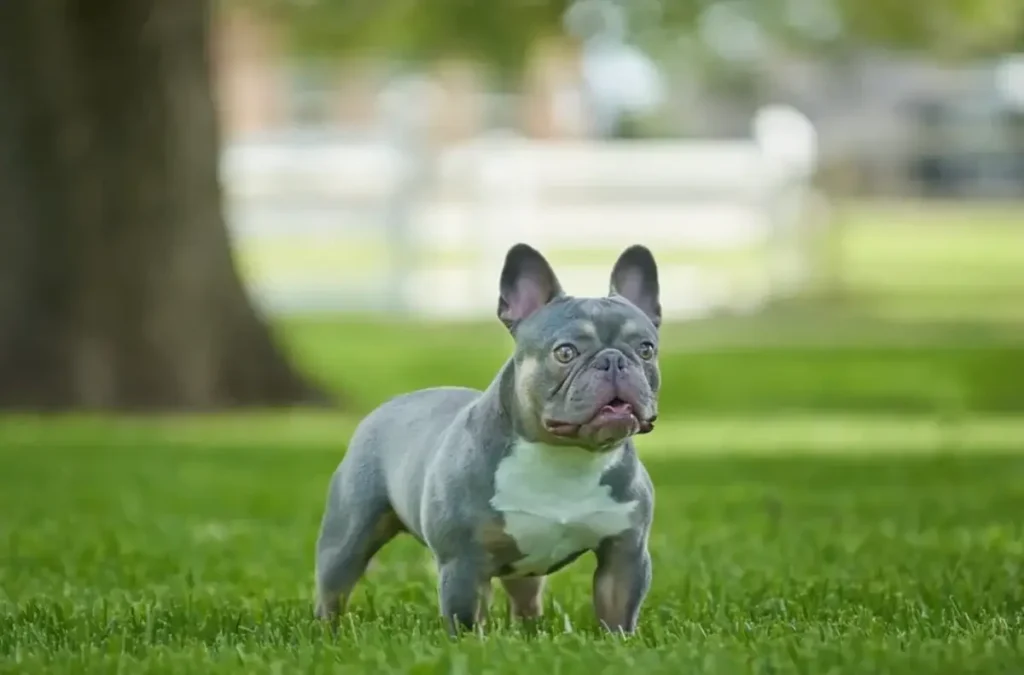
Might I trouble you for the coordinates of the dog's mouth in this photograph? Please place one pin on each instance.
(615, 413)
(615, 409)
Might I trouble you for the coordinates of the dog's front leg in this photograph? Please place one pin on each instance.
(459, 588)
(621, 581)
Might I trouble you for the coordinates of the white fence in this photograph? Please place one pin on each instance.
(342, 226)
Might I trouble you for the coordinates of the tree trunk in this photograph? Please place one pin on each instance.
(117, 285)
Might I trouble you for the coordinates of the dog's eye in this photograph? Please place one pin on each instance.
(646, 351)
(565, 353)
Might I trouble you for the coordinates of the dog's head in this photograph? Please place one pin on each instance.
(586, 369)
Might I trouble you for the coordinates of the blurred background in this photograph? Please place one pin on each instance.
(769, 152)
(828, 172)
(833, 190)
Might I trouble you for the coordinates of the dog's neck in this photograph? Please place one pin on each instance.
(567, 459)
(496, 401)
(499, 400)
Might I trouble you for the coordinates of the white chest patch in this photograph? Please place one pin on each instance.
(554, 504)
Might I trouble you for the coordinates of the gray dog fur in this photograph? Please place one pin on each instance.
(521, 479)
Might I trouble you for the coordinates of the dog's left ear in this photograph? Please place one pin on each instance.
(527, 284)
(635, 278)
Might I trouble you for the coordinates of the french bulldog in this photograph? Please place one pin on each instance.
(520, 479)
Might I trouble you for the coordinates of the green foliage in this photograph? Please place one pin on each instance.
(501, 31)
(140, 553)
(946, 28)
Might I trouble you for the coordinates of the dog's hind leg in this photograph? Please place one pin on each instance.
(357, 522)
(526, 596)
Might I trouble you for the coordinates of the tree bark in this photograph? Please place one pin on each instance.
(117, 284)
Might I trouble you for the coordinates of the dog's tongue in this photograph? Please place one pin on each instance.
(617, 406)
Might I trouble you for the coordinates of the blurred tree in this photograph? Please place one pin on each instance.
(117, 285)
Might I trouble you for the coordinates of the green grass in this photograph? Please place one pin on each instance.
(751, 366)
(934, 261)
(805, 544)
(839, 497)
(837, 492)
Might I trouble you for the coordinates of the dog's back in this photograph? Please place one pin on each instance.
(408, 424)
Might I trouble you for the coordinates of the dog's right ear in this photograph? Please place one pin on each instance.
(527, 284)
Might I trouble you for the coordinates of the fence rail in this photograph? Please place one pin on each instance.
(388, 226)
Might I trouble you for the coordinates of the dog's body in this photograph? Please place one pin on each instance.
(520, 479)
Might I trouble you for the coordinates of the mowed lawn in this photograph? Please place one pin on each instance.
(835, 494)
(801, 544)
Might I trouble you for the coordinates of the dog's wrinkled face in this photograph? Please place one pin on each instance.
(586, 371)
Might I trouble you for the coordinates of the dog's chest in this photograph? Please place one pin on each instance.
(554, 504)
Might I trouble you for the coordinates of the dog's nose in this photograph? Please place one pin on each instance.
(610, 360)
